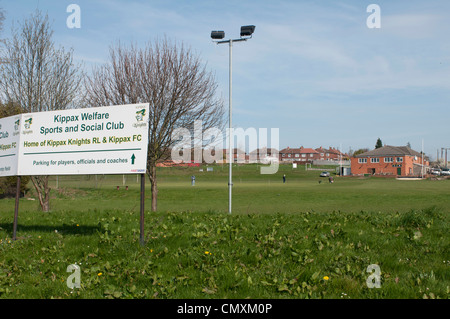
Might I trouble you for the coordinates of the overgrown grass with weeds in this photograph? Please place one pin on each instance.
(218, 255)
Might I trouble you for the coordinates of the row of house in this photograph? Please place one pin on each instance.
(386, 160)
(308, 155)
(287, 155)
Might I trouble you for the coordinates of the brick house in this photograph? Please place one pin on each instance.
(289, 154)
(324, 155)
(302, 154)
(389, 160)
(330, 154)
(337, 155)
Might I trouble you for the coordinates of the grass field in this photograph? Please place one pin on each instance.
(302, 239)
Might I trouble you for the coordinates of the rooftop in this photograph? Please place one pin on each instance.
(300, 150)
(389, 150)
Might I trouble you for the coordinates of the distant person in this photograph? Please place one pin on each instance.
(330, 179)
(284, 178)
(193, 180)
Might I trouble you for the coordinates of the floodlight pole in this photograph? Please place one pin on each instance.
(231, 156)
(230, 103)
(246, 31)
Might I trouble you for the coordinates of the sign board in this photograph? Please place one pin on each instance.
(101, 140)
(9, 145)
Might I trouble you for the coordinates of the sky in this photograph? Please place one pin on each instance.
(313, 69)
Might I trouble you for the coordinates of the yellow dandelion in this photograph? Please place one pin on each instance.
(207, 253)
(326, 278)
(99, 274)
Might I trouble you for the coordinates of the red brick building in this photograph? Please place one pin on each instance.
(301, 154)
(307, 155)
(389, 160)
(330, 154)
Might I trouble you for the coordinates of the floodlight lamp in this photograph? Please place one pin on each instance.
(247, 30)
(217, 35)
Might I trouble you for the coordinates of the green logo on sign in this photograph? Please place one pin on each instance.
(28, 123)
(140, 115)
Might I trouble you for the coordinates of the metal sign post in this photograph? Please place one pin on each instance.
(16, 209)
(141, 235)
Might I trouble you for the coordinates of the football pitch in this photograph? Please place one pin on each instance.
(306, 238)
(304, 191)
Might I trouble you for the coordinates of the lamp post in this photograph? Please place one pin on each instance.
(217, 36)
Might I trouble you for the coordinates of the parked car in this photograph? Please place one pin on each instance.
(445, 172)
(435, 172)
(325, 174)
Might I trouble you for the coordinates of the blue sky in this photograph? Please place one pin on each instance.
(313, 69)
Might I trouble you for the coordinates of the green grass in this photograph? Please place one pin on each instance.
(252, 192)
(282, 240)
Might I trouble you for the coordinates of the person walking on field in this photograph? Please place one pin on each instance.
(193, 180)
(284, 178)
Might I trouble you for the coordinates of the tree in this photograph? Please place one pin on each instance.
(10, 109)
(2, 18)
(172, 79)
(8, 186)
(360, 151)
(38, 77)
(379, 143)
(350, 151)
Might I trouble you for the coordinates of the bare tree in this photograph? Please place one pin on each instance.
(172, 79)
(2, 18)
(38, 77)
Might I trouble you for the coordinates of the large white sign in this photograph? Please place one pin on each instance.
(101, 140)
(9, 145)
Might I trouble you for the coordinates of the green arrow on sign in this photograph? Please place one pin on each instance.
(132, 159)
